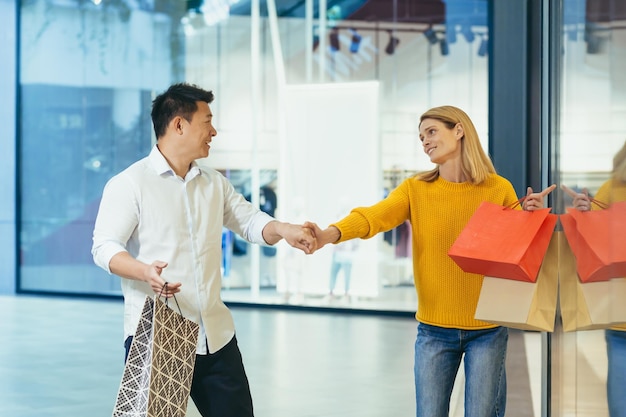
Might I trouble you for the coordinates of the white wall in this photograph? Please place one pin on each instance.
(330, 163)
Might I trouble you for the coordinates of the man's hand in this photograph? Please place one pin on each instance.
(125, 266)
(534, 201)
(303, 239)
(152, 275)
(329, 235)
(296, 235)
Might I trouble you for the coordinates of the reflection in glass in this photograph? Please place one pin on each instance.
(596, 233)
(592, 131)
(87, 72)
(236, 251)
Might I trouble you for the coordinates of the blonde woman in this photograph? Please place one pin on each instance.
(438, 203)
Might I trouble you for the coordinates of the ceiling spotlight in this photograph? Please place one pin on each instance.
(392, 44)
(483, 47)
(451, 34)
(467, 33)
(594, 42)
(355, 42)
(443, 47)
(594, 45)
(316, 38)
(431, 36)
(334, 40)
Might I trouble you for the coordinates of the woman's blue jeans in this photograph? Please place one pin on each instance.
(616, 378)
(438, 354)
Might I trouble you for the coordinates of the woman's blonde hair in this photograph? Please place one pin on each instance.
(619, 165)
(476, 164)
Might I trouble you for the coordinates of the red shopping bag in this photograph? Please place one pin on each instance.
(597, 240)
(503, 242)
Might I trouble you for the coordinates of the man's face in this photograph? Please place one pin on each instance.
(200, 132)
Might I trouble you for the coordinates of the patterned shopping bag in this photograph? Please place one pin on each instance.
(157, 376)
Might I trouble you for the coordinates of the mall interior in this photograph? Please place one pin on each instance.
(317, 107)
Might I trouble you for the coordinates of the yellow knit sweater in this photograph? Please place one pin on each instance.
(438, 211)
(610, 192)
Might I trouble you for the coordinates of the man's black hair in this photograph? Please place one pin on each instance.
(178, 100)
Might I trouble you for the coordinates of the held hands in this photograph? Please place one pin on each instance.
(300, 237)
(534, 201)
(309, 237)
(580, 201)
(328, 235)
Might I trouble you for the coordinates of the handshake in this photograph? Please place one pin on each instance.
(308, 237)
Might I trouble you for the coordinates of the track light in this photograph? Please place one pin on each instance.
(334, 40)
(451, 34)
(594, 42)
(392, 44)
(467, 33)
(316, 37)
(431, 36)
(443, 47)
(483, 47)
(594, 45)
(355, 42)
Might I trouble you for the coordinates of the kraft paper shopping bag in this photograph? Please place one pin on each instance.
(618, 300)
(588, 305)
(523, 305)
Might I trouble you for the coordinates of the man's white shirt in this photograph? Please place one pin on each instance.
(153, 214)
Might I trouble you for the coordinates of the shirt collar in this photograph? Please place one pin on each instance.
(160, 165)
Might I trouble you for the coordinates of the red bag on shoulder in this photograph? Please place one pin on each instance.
(503, 242)
(597, 239)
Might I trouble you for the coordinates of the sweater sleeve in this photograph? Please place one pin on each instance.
(367, 222)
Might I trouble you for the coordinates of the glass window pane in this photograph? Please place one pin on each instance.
(105, 61)
(83, 119)
(592, 155)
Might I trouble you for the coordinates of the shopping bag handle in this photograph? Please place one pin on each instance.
(173, 295)
(599, 203)
(515, 203)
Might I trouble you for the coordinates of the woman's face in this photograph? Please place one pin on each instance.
(440, 143)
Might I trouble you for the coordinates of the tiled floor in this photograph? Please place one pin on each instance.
(63, 357)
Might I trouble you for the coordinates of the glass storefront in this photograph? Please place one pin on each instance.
(366, 75)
